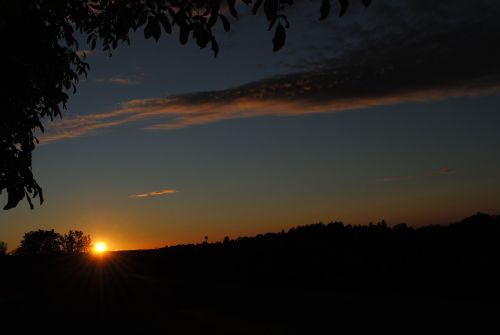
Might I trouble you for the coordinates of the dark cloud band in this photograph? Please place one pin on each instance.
(430, 50)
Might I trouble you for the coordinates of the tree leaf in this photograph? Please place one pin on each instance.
(141, 19)
(225, 22)
(287, 24)
(256, 6)
(90, 37)
(165, 22)
(343, 6)
(152, 29)
(325, 9)
(214, 14)
(271, 24)
(271, 9)
(215, 46)
(202, 37)
(279, 37)
(232, 8)
(183, 34)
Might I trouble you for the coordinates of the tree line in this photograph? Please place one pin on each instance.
(49, 242)
(323, 278)
(353, 243)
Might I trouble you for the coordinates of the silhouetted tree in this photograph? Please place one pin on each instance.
(43, 63)
(40, 242)
(75, 242)
(3, 248)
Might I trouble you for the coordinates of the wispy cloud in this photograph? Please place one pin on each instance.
(425, 55)
(438, 172)
(198, 109)
(396, 179)
(152, 194)
(441, 172)
(124, 80)
(84, 53)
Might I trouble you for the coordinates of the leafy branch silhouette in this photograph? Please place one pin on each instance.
(43, 63)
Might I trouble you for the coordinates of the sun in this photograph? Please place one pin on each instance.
(100, 247)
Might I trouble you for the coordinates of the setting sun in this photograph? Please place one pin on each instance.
(100, 247)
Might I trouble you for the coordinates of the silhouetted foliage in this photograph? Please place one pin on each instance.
(49, 242)
(75, 242)
(3, 248)
(42, 63)
(40, 242)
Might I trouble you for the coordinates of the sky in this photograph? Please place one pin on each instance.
(388, 113)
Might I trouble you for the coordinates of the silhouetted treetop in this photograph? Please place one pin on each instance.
(49, 242)
(40, 242)
(76, 242)
(42, 63)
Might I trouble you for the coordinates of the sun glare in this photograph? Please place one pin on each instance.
(100, 247)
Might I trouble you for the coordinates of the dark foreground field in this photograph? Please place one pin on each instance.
(317, 279)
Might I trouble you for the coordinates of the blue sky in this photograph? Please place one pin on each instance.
(255, 141)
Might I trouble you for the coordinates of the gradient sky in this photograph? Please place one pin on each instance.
(387, 113)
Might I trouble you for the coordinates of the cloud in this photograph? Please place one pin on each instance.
(124, 80)
(84, 53)
(438, 172)
(441, 172)
(415, 52)
(396, 179)
(152, 194)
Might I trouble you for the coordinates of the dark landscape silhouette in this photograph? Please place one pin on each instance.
(422, 81)
(314, 279)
